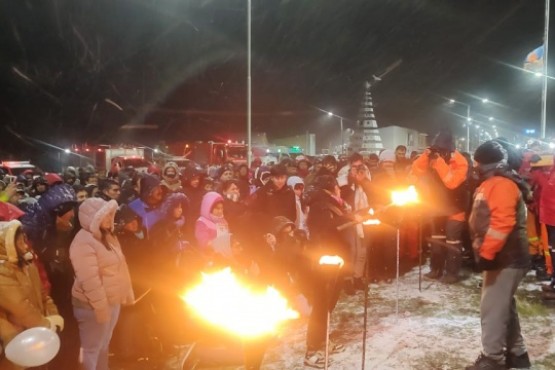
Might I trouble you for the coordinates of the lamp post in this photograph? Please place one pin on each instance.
(341, 127)
(469, 118)
(468, 122)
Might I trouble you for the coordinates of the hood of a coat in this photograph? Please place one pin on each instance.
(8, 251)
(171, 202)
(175, 167)
(148, 183)
(57, 197)
(93, 211)
(208, 202)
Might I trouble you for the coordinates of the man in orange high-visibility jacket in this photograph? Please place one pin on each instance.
(498, 230)
(443, 172)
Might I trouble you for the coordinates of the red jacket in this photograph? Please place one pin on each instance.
(545, 183)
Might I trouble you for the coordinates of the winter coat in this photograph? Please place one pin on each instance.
(23, 301)
(207, 226)
(40, 217)
(149, 215)
(446, 184)
(101, 273)
(546, 186)
(324, 216)
(269, 202)
(498, 223)
(173, 184)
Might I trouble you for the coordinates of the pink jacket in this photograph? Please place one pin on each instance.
(101, 274)
(206, 227)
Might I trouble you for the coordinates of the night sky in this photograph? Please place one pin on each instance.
(76, 71)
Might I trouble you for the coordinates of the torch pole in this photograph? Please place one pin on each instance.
(420, 254)
(397, 274)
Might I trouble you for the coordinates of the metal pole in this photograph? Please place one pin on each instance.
(249, 86)
(545, 71)
(468, 123)
(397, 274)
(341, 123)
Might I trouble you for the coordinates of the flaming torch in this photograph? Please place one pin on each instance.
(401, 198)
(223, 301)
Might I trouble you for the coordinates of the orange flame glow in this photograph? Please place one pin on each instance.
(331, 260)
(404, 197)
(222, 300)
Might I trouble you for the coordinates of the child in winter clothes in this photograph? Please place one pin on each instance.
(211, 229)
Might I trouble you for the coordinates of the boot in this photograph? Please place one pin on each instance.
(454, 263)
(517, 362)
(485, 363)
(434, 274)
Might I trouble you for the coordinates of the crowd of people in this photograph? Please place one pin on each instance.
(81, 252)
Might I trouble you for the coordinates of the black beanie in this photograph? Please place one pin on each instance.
(490, 152)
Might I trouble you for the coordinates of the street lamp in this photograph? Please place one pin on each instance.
(340, 126)
(331, 114)
(469, 118)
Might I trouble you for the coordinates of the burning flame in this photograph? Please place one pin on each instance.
(224, 301)
(404, 197)
(372, 221)
(331, 260)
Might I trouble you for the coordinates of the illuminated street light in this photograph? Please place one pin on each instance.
(477, 126)
(485, 100)
(469, 119)
(67, 151)
(538, 74)
(490, 119)
(552, 145)
(452, 101)
(156, 150)
(330, 114)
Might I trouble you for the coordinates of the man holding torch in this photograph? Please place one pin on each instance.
(325, 215)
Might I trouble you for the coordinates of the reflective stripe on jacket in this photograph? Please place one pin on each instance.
(498, 223)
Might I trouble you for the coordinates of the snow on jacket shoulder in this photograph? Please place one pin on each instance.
(101, 273)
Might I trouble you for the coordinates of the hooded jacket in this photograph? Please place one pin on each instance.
(173, 184)
(101, 273)
(206, 227)
(41, 216)
(23, 301)
(149, 216)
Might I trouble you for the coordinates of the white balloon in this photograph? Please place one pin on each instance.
(33, 347)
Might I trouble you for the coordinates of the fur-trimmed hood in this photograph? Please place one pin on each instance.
(8, 251)
(171, 202)
(93, 211)
(208, 202)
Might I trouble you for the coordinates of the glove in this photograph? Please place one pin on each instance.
(56, 322)
(486, 265)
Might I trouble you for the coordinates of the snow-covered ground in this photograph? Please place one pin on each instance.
(437, 328)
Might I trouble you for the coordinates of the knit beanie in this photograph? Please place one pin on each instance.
(490, 152)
